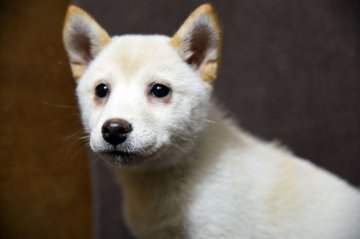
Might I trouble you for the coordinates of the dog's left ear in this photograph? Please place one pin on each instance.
(83, 38)
(198, 42)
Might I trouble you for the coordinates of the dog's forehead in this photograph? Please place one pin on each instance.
(134, 52)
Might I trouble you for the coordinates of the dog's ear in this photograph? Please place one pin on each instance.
(83, 39)
(198, 42)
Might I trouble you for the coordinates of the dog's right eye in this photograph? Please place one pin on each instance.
(101, 90)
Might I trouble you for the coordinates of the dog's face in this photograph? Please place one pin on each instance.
(143, 99)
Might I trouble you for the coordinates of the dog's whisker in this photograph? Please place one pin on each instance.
(63, 63)
(78, 146)
(80, 134)
(59, 105)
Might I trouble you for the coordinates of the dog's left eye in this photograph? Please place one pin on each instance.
(159, 90)
(101, 90)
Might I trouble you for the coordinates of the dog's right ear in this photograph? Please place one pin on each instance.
(83, 38)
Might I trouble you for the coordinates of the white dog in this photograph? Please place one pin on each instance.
(186, 171)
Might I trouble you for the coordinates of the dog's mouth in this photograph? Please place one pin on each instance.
(125, 158)
(118, 153)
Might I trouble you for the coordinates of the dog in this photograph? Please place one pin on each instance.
(186, 170)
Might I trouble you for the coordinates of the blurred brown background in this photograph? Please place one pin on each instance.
(44, 176)
(290, 71)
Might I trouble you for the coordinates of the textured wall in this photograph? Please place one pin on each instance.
(44, 185)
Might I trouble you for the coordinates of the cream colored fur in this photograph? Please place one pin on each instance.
(194, 174)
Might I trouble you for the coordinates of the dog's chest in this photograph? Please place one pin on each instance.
(182, 206)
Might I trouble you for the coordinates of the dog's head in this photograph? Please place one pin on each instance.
(143, 99)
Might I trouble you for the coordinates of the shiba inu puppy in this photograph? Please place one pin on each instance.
(186, 171)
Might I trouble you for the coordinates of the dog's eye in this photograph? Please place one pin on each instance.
(159, 90)
(101, 90)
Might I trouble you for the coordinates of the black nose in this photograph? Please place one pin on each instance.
(115, 131)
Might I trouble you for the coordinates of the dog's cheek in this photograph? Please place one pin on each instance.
(190, 112)
(89, 117)
(153, 130)
(86, 115)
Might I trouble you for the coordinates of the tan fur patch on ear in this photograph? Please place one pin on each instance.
(208, 71)
(78, 68)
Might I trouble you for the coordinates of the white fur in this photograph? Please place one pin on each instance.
(201, 176)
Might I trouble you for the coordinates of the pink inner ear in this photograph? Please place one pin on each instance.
(199, 44)
(82, 44)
